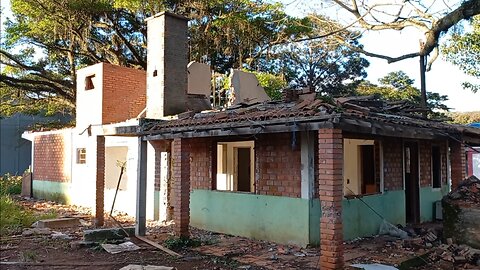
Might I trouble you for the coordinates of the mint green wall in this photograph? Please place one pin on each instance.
(428, 196)
(359, 220)
(51, 190)
(280, 219)
(156, 205)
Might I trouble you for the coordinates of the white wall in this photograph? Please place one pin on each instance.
(89, 102)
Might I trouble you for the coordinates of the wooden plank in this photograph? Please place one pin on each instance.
(150, 242)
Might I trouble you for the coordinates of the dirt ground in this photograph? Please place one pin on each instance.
(217, 251)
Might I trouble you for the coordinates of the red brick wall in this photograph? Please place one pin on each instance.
(201, 163)
(330, 177)
(278, 165)
(425, 153)
(392, 164)
(124, 93)
(49, 157)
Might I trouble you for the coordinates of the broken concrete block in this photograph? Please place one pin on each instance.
(245, 88)
(58, 223)
(36, 231)
(107, 234)
(199, 79)
(114, 249)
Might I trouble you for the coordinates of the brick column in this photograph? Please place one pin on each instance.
(330, 177)
(181, 186)
(100, 181)
(457, 161)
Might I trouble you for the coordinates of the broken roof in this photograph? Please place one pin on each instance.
(367, 115)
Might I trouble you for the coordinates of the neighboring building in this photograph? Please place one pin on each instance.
(287, 172)
(15, 152)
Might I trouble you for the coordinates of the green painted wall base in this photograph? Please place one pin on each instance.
(359, 220)
(53, 191)
(274, 218)
(428, 196)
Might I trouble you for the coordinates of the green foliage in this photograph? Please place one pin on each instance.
(397, 86)
(463, 50)
(10, 184)
(325, 65)
(272, 84)
(464, 117)
(177, 243)
(13, 216)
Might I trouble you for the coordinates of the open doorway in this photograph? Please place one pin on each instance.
(411, 173)
(235, 166)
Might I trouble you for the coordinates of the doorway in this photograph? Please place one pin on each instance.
(412, 187)
(243, 169)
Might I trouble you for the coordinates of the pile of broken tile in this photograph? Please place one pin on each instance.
(468, 191)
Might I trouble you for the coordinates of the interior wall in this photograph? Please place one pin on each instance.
(115, 156)
(226, 157)
(352, 170)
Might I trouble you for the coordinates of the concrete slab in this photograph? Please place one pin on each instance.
(58, 223)
(107, 234)
(246, 88)
(199, 79)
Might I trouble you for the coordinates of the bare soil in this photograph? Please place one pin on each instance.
(217, 251)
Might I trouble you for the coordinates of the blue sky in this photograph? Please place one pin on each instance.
(444, 78)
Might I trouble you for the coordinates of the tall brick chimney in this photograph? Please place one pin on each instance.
(167, 59)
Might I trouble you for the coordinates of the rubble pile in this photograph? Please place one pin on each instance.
(461, 213)
(467, 192)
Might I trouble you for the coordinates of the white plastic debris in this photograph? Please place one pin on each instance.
(374, 266)
(145, 267)
(390, 229)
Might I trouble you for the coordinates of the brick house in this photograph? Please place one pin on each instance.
(289, 172)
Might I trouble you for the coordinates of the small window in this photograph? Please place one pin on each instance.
(436, 167)
(235, 164)
(89, 82)
(361, 167)
(81, 155)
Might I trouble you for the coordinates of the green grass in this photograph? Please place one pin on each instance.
(13, 216)
(10, 184)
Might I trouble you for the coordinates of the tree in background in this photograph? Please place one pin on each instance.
(397, 86)
(57, 37)
(463, 50)
(464, 118)
(431, 18)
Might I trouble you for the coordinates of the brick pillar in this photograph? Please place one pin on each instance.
(330, 177)
(100, 181)
(181, 186)
(457, 161)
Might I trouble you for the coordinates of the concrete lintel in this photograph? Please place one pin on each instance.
(307, 164)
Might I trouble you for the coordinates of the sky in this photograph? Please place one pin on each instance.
(444, 78)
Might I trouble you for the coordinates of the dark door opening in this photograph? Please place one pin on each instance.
(243, 169)
(367, 156)
(412, 197)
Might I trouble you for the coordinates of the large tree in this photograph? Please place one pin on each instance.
(463, 50)
(397, 86)
(430, 17)
(47, 40)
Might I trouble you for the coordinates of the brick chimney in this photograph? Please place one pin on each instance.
(167, 59)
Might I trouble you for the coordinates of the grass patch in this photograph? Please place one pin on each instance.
(14, 217)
